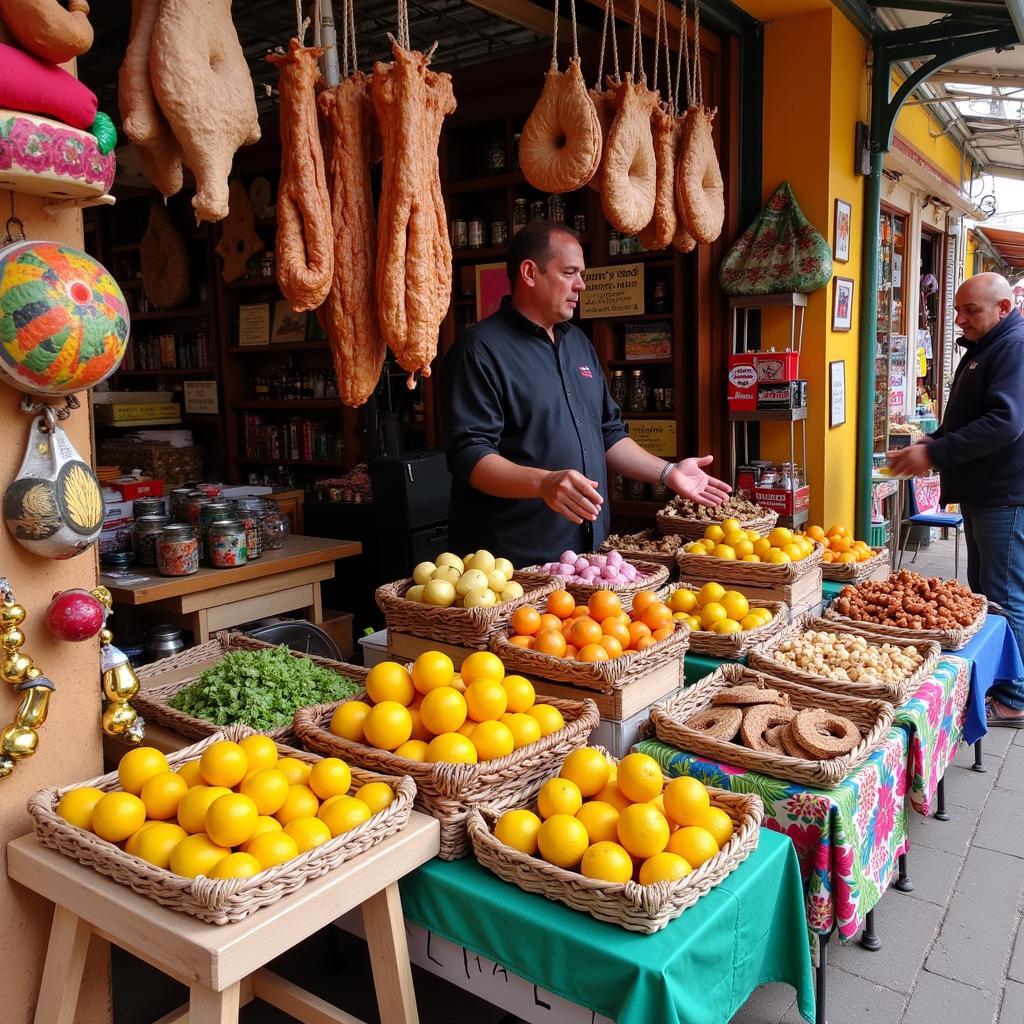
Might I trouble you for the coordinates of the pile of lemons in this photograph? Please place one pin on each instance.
(619, 823)
(477, 581)
(729, 540)
(432, 713)
(232, 813)
(717, 610)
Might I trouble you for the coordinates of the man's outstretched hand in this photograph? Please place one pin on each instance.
(572, 495)
(688, 479)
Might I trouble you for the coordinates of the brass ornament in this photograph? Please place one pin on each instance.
(119, 681)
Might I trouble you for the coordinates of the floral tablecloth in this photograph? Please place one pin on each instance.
(847, 839)
(934, 722)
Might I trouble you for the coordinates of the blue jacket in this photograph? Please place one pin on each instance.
(979, 448)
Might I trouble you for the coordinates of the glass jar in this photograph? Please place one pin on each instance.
(476, 233)
(614, 243)
(179, 499)
(520, 214)
(226, 544)
(639, 394)
(197, 501)
(119, 562)
(619, 388)
(144, 533)
(635, 490)
(499, 232)
(460, 234)
(627, 245)
(163, 642)
(276, 527)
(579, 223)
(210, 513)
(177, 550)
(496, 161)
(538, 210)
(556, 208)
(250, 511)
(148, 507)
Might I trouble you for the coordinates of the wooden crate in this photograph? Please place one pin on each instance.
(403, 647)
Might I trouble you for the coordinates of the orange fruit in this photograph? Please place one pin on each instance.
(486, 700)
(636, 631)
(295, 771)
(482, 665)
(603, 603)
(600, 820)
(389, 681)
(194, 805)
(431, 670)
(388, 725)
(260, 752)
(523, 727)
(419, 730)
(657, 615)
(443, 710)
(190, 772)
(685, 799)
(330, 776)
(162, 793)
(549, 718)
(644, 642)
(592, 652)
(413, 750)
(561, 604)
(588, 768)
(268, 789)
(117, 815)
(76, 807)
(663, 867)
(452, 748)
(237, 865)
(308, 833)
(642, 830)
(548, 621)
(264, 823)
(550, 641)
(376, 795)
(301, 802)
(138, 765)
(641, 599)
(639, 777)
(492, 739)
(231, 819)
(607, 861)
(584, 631)
(347, 721)
(157, 842)
(614, 626)
(518, 829)
(694, 844)
(579, 611)
(224, 763)
(661, 634)
(612, 646)
(525, 642)
(570, 652)
(611, 794)
(526, 620)
(520, 692)
(196, 855)
(558, 796)
(562, 840)
(272, 848)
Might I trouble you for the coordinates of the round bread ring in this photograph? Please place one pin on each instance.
(629, 164)
(825, 734)
(749, 694)
(720, 723)
(700, 192)
(604, 105)
(757, 720)
(791, 746)
(773, 737)
(560, 148)
(659, 233)
(682, 240)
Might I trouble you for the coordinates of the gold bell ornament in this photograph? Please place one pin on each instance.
(19, 739)
(120, 683)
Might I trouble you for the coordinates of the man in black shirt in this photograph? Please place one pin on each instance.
(532, 428)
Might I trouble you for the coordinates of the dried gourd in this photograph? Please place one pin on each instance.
(238, 239)
(699, 189)
(630, 167)
(164, 260)
(662, 227)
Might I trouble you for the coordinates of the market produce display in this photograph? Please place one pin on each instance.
(734, 507)
(430, 713)
(840, 547)
(846, 657)
(608, 569)
(716, 609)
(657, 545)
(477, 581)
(730, 541)
(261, 689)
(910, 601)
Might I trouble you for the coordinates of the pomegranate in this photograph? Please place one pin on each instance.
(74, 615)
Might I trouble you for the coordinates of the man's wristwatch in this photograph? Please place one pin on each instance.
(665, 472)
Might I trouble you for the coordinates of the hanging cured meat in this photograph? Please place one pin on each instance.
(700, 192)
(662, 227)
(238, 239)
(164, 261)
(630, 166)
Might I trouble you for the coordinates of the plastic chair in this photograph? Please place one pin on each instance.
(300, 636)
(943, 519)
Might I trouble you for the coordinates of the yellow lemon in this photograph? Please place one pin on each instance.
(600, 821)
(708, 545)
(443, 710)
(743, 548)
(347, 720)
(731, 524)
(562, 840)
(558, 796)
(640, 777)
(751, 622)
(693, 621)
(190, 772)
(643, 830)
(779, 536)
(735, 604)
(344, 814)
(388, 725)
(694, 844)
(117, 815)
(467, 727)
(196, 855)
(76, 807)
(451, 748)
(524, 728)
(726, 626)
(611, 794)
(492, 740)
(717, 822)
(683, 600)
(138, 765)
(482, 665)
(308, 833)
(376, 796)
(710, 593)
(390, 681)
(607, 861)
(520, 692)
(131, 844)
(777, 557)
(548, 718)
(712, 613)
(194, 805)
(231, 819)
(431, 670)
(330, 777)
(588, 768)
(794, 551)
(301, 802)
(272, 848)
(486, 698)
(734, 537)
(685, 798)
(264, 823)
(157, 842)
(419, 730)
(753, 536)
(751, 558)
(268, 789)
(237, 865)
(413, 750)
(762, 546)
(715, 533)
(663, 867)
(223, 763)
(162, 793)
(260, 751)
(696, 548)
(724, 551)
(519, 829)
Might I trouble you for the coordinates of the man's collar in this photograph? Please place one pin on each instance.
(993, 332)
(510, 312)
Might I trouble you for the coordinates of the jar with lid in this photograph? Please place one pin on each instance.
(276, 526)
(619, 388)
(460, 234)
(266, 265)
(214, 511)
(579, 223)
(148, 507)
(499, 232)
(144, 534)
(496, 161)
(196, 502)
(163, 642)
(250, 511)
(556, 208)
(538, 210)
(476, 233)
(639, 394)
(179, 498)
(226, 543)
(177, 550)
(520, 214)
(119, 563)
(614, 243)
(627, 245)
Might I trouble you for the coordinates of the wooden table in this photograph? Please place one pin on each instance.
(211, 599)
(223, 965)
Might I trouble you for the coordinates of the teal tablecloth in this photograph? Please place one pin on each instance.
(829, 590)
(700, 969)
(697, 666)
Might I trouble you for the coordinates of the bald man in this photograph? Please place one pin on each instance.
(979, 453)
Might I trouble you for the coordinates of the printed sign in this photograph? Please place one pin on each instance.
(201, 396)
(254, 324)
(613, 291)
(656, 436)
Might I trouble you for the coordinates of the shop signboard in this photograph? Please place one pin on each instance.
(201, 396)
(656, 436)
(616, 290)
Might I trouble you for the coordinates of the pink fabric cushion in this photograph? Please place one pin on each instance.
(36, 87)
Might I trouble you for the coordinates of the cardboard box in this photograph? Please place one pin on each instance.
(144, 488)
(375, 648)
(790, 394)
(784, 501)
(741, 386)
(119, 412)
(338, 625)
(775, 367)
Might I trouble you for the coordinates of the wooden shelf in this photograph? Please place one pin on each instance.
(491, 183)
(172, 314)
(483, 253)
(140, 424)
(284, 346)
(649, 415)
(667, 315)
(252, 282)
(199, 371)
(309, 463)
(278, 404)
(781, 300)
(767, 415)
(641, 362)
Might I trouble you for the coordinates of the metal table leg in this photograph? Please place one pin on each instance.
(941, 814)
(869, 937)
(903, 882)
(978, 765)
(819, 979)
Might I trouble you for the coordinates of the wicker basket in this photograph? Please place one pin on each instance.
(897, 692)
(604, 676)
(733, 646)
(947, 639)
(692, 529)
(153, 701)
(638, 908)
(465, 627)
(855, 572)
(212, 900)
(630, 554)
(755, 574)
(450, 791)
(873, 717)
(652, 576)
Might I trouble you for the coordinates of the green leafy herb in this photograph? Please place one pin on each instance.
(262, 689)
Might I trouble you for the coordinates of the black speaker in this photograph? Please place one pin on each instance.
(410, 491)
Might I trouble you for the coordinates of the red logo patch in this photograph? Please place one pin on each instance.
(585, 371)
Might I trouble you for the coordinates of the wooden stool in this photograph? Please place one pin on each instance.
(223, 965)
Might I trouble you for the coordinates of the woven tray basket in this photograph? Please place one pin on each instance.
(753, 574)
(212, 900)
(854, 572)
(692, 529)
(733, 646)
(465, 627)
(153, 701)
(630, 554)
(652, 577)
(874, 717)
(449, 791)
(638, 908)
(603, 676)
(897, 692)
(947, 639)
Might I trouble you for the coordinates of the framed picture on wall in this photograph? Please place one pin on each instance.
(837, 392)
(491, 286)
(842, 304)
(841, 246)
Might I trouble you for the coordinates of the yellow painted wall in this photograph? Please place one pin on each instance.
(918, 126)
(971, 255)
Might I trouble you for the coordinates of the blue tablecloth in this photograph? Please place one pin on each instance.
(994, 657)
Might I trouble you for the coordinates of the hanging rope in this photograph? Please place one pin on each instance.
(683, 59)
(350, 29)
(698, 84)
(317, 42)
(403, 24)
(554, 40)
(639, 75)
(575, 38)
(301, 24)
(657, 41)
(670, 92)
(348, 39)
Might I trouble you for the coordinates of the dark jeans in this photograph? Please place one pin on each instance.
(995, 568)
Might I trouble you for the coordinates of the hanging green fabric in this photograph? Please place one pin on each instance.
(780, 252)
